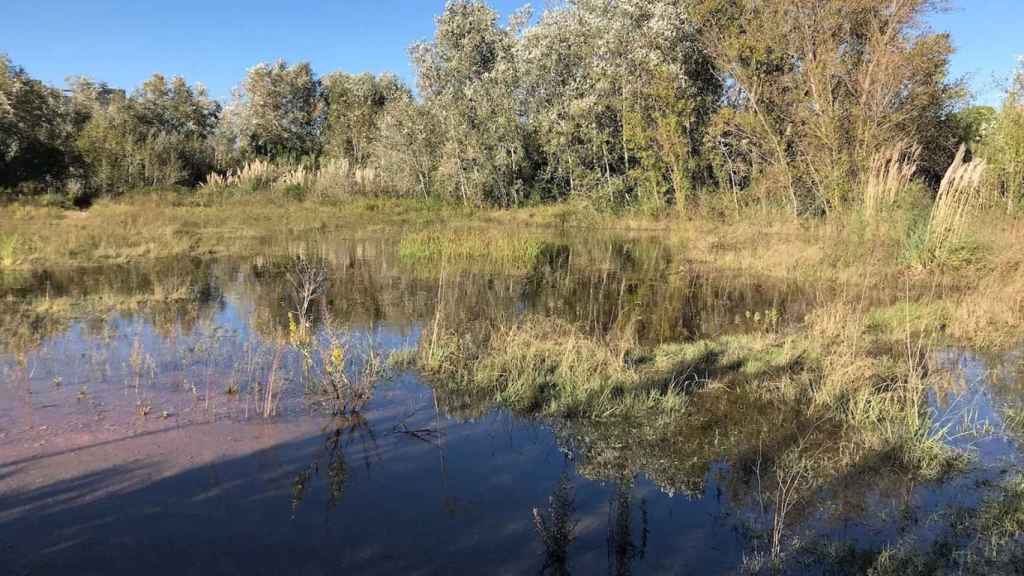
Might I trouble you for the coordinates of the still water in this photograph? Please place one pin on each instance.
(144, 440)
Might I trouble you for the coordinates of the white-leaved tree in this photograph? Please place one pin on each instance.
(469, 81)
(279, 112)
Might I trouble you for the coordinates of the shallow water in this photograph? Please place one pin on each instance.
(141, 440)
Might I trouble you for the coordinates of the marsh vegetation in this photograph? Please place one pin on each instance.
(794, 411)
(625, 286)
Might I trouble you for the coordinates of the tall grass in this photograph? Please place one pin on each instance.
(330, 178)
(990, 315)
(254, 175)
(8, 251)
(958, 193)
(878, 388)
(550, 366)
(892, 171)
(871, 388)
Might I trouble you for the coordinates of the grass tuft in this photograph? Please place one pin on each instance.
(481, 248)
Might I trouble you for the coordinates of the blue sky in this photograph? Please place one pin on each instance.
(215, 41)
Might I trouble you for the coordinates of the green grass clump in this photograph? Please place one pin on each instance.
(831, 369)
(9, 251)
(480, 248)
(548, 366)
(893, 321)
(1001, 519)
(727, 360)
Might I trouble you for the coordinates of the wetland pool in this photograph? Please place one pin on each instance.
(168, 418)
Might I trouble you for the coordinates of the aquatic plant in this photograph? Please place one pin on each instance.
(548, 365)
(308, 276)
(274, 381)
(471, 248)
(972, 540)
(793, 478)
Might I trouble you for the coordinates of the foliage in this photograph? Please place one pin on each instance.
(814, 89)
(620, 94)
(355, 105)
(280, 114)
(819, 106)
(467, 77)
(35, 131)
(1002, 144)
(407, 148)
(156, 137)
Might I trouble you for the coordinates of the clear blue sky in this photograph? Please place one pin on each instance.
(215, 41)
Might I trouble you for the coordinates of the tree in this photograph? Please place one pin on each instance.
(621, 94)
(121, 154)
(816, 87)
(406, 146)
(280, 111)
(176, 108)
(35, 131)
(158, 136)
(1002, 144)
(468, 78)
(355, 105)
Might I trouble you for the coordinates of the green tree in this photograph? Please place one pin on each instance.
(817, 87)
(1002, 144)
(407, 146)
(620, 94)
(279, 111)
(158, 136)
(468, 77)
(35, 132)
(355, 105)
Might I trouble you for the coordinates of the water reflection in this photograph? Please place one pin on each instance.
(556, 527)
(114, 375)
(623, 546)
(598, 286)
(353, 429)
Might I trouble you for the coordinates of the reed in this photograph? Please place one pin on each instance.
(271, 396)
(958, 193)
(891, 174)
(254, 175)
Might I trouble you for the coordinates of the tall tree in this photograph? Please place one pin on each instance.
(355, 105)
(468, 78)
(621, 93)
(280, 110)
(35, 130)
(1002, 143)
(816, 87)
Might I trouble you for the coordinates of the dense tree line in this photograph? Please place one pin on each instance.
(646, 103)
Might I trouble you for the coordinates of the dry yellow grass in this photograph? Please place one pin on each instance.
(958, 193)
(991, 314)
(892, 171)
